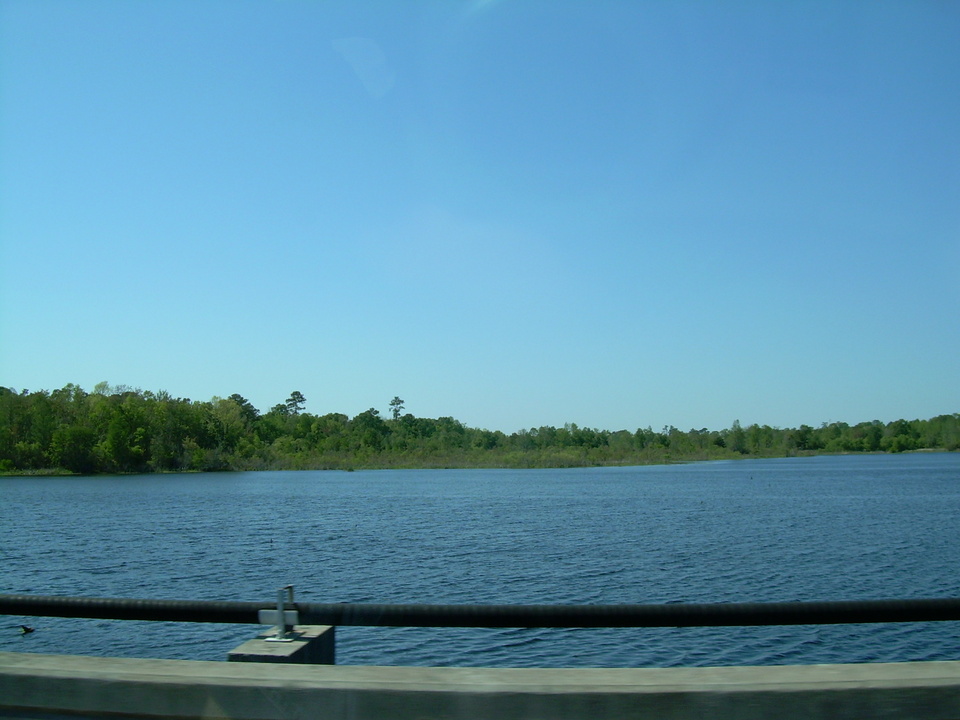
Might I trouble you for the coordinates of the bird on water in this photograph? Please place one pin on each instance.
(26, 629)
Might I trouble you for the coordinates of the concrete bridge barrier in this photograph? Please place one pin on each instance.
(60, 686)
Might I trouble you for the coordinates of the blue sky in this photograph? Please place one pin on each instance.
(617, 214)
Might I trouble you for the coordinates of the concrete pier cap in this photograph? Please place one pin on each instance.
(306, 644)
(55, 686)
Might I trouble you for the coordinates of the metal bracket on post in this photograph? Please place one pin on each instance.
(281, 617)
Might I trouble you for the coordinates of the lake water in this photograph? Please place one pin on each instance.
(822, 528)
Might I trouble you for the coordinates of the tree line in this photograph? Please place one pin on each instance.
(124, 430)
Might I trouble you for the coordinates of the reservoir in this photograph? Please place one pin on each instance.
(792, 529)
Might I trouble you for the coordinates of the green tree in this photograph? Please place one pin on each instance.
(72, 448)
(396, 407)
(249, 412)
(172, 422)
(329, 432)
(900, 436)
(369, 430)
(226, 423)
(737, 438)
(295, 402)
(126, 446)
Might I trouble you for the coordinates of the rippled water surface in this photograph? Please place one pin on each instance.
(824, 528)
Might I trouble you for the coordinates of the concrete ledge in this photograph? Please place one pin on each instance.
(50, 685)
(312, 645)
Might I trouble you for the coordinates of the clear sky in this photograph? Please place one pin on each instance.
(516, 213)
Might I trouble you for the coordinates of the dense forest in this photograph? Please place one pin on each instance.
(122, 430)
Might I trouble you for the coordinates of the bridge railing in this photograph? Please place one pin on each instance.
(492, 616)
(62, 685)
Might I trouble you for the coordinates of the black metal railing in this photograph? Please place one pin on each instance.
(494, 616)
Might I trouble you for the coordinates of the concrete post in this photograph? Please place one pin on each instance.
(311, 645)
